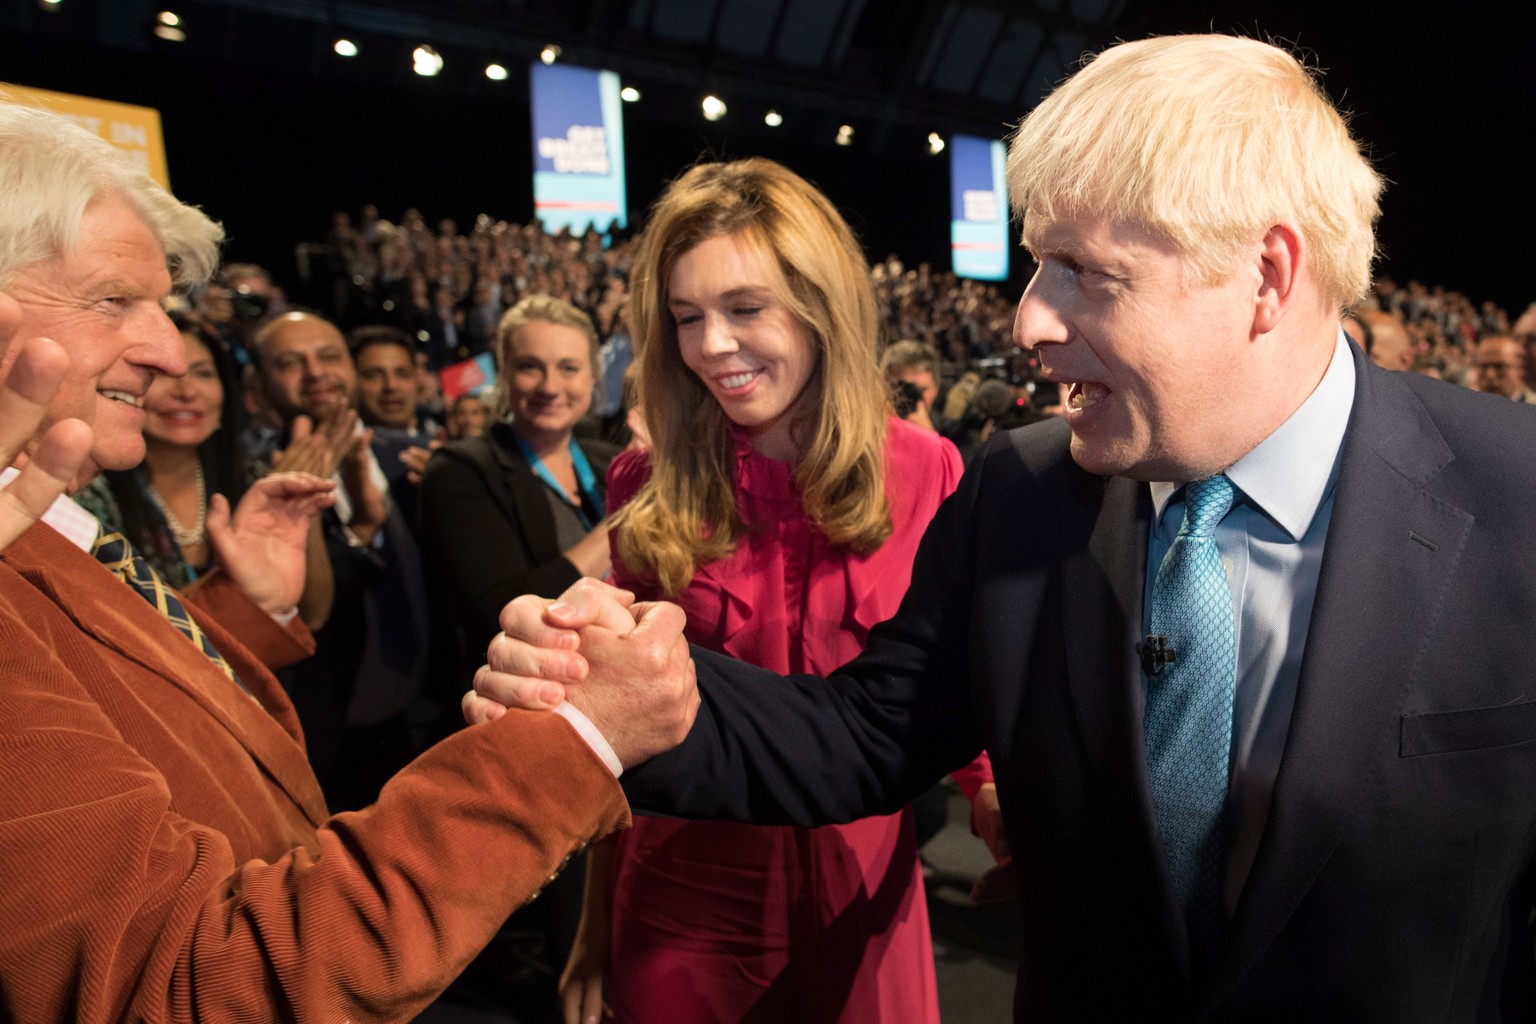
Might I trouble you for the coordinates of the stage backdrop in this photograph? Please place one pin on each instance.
(978, 226)
(578, 148)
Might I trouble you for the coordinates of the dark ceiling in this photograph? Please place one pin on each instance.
(255, 100)
(897, 70)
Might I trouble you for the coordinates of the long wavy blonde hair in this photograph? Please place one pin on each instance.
(685, 515)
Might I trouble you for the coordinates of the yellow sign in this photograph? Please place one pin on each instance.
(134, 130)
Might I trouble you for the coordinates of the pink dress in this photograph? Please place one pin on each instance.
(723, 922)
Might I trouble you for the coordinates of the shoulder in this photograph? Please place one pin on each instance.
(627, 473)
(491, 454)
(1486, 434)
(920, 465)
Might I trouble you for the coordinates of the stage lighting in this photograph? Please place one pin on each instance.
(845, 135)
(935, 143)
(629, 94)
(549, 54)
(169, 26)
(495, 72)
(713, 107)
(426, 61)
(345, 48)
(773, 119)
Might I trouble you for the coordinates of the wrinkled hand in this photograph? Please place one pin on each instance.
(30, 373)
(636, 685)
(536, 651)
(317, 450)
(262, 546)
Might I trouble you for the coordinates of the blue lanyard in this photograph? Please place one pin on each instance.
(586, 480)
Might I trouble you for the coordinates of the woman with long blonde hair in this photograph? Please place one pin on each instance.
(781, 506)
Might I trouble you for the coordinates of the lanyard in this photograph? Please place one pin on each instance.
(586, 480)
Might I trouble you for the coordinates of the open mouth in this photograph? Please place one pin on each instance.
(1085, 394)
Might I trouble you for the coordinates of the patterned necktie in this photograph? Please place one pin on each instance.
(1189, 706)
(114, 551)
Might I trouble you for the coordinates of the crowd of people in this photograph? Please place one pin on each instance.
(732, 412)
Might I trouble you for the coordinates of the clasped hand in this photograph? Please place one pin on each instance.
(625, 665)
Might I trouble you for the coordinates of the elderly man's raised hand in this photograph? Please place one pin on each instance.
(31, 370)
(625, 666)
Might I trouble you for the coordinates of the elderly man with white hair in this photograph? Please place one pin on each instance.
(166, 849)
(1246, 632)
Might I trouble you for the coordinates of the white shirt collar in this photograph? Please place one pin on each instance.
(1288, 473)
(76, 525)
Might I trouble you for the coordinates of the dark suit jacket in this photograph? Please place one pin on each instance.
(488, 532)
(1394, 879)
(164, 845)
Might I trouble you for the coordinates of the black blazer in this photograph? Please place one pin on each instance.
(1394, 879)
(488, 530)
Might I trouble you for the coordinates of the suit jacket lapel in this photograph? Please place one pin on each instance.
(1388, 537)
(95, 602)
(1103, 574)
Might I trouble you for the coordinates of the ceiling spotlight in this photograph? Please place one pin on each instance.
(345, 48)
(426, 61)
(168, 26)
(550, 54)
(713, 107)
(49, 5)
(773, 119)
(845, 135)
(629, 94)
(495, 72)
(935, 143)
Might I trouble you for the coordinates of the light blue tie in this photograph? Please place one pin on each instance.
(1189, 705)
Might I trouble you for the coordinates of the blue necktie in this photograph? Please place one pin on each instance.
(1189, 706)
(113, 550)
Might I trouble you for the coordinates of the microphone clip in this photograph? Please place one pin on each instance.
(1156, 654)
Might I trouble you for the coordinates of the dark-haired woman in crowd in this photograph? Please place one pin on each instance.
(781, 505)
(192, 452)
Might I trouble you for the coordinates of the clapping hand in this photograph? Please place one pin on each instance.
(262, 545)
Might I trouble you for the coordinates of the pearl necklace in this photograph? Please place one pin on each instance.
(183, 536)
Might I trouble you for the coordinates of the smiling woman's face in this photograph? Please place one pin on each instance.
(185, 410)
(735, 332)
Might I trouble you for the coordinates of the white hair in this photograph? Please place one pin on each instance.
(52, 169)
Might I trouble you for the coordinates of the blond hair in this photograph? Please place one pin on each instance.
(540, 309)
(1208, 141)
(685, 514)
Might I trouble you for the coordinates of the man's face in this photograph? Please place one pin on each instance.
(102, 300)
(386, 386)
(1157, 362)
(306, 369)
(1500, 367)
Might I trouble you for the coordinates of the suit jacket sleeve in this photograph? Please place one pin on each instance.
(216, 595)
(124, 902)
(864, 741)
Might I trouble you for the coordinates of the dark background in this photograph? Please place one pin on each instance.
(271, 145)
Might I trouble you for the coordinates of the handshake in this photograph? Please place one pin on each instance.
(622, 664)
